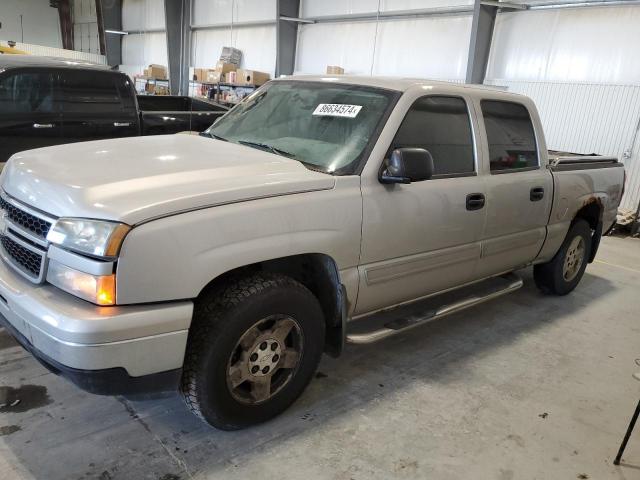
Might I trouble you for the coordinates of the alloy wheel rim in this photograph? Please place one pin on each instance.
(265, 359)
(573, 259)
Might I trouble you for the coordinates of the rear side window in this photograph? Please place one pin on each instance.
(126, 92)
(27, 92)
(512, 141)
(442, 126)
(91, 92)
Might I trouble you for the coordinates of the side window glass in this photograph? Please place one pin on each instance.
(442, 126)
(89, 92)
(126, 92)
(512, 142)
(27, 92)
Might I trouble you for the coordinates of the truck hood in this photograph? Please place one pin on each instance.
(136, 179)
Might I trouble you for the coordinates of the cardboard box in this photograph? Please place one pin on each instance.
(226, 67)
(334, 70)
(252, 77)
(156, 71)
(214, 76)
(200, 74)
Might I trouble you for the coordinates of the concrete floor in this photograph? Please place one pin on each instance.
(524, 387)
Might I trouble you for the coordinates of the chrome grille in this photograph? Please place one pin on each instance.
(36, 225)
(23, 233)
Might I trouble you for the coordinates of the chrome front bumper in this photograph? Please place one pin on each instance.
(141, 339)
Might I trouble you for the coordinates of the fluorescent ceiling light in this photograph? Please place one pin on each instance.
(117, 32)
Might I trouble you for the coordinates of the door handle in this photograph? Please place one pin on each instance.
(536, 194)
(43, 125)
(121, 124)
(475, 201)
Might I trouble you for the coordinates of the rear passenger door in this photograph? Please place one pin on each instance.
(519, 191)
(97, 105)
(423, 237)
(29, 112)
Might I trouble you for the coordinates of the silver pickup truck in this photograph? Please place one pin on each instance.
(224, 265)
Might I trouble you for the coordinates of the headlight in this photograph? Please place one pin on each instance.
(97, 238)
(98, 289)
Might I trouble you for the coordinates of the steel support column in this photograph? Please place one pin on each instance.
(286, 36)
(484, 17)
(178, 18)
(66, 23)
(112, 22)
(101, 34)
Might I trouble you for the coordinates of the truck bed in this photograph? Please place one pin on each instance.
(161, 115)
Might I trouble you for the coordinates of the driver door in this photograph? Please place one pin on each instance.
(423, 237)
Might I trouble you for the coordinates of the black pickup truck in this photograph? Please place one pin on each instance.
(47, 101)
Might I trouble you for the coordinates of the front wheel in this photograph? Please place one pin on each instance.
(252, 350)
(563, 273)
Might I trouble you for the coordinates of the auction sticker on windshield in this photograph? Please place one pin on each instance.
(337, 110)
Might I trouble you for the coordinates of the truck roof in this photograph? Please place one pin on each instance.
(392, 83)
(16, 61)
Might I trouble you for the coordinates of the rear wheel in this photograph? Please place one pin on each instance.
(563, 273)
(252, 350)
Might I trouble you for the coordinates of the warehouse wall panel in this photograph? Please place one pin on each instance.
(596, 44)
(349, 45)
(85, 26)
(589, 118)
(40, 22)
(437, 48)
(143, 14)
(207, 12)
(258, 45)
(144, 49)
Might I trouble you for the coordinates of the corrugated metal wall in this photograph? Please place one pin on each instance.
(432, 47)
(590, 117)
(142, 49)
(85, 26)
(257, 42)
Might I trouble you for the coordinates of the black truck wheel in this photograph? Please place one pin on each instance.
(253, 348)
(563, 273)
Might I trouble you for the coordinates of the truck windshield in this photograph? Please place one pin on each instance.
(328, 127)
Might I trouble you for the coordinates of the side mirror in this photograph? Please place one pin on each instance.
(406, 165)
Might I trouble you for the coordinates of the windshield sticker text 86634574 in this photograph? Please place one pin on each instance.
(337, 110)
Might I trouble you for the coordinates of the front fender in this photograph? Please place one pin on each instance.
(175, 257)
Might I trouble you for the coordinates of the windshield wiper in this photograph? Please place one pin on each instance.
(217, 137)
(269, 148)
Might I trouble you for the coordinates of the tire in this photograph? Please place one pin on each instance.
(563, 273)
(224, 376)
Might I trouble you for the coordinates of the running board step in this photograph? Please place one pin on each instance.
(404, 318)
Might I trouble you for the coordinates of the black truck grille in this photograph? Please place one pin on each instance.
(29, 261)
(31, 223)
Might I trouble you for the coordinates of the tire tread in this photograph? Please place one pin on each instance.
(208, 317)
